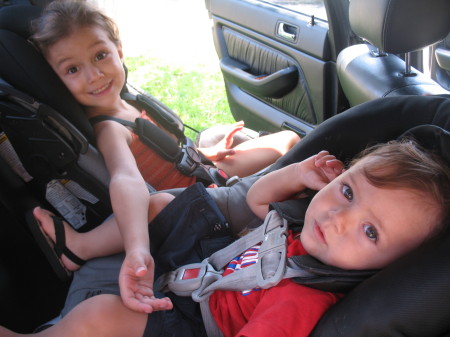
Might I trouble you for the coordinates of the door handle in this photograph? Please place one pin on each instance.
(274, 85)
(287, 31)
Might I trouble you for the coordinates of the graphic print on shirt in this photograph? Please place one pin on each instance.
(248, 258)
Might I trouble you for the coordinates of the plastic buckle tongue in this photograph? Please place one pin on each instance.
(188, 278)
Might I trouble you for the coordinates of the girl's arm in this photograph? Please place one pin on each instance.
(283, 184)
(130, 201)
(128, 191)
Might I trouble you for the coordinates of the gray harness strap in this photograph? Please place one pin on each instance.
(200, 280)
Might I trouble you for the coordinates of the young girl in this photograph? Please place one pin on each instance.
(388, 202)
(83, 47)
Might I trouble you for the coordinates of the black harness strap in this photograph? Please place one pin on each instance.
(186, 157)
(150, 134)
(160, 113)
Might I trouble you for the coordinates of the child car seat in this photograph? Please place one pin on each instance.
(409, 298)
(371, 70)
(53, 138)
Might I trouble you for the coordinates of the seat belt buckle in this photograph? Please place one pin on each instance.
(187, 278)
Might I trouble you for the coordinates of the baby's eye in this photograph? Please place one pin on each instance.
(371, 232)
(100, 56)
(347, 192)
(72, 70)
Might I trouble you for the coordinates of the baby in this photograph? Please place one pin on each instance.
(388, 202)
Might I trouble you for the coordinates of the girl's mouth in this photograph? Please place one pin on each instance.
(101, 90)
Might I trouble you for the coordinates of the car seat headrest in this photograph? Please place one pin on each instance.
(400, 26)
(18, 19)
(24, 68)
(431, 137)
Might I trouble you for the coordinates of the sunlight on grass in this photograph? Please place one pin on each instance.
(196, 94)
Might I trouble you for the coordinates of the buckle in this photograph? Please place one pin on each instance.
(186, 279)
(189, 161)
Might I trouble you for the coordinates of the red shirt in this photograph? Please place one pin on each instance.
(155, 170)
(288, 309)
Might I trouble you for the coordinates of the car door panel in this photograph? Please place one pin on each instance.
(262, 49)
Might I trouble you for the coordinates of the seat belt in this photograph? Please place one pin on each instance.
(200, 280)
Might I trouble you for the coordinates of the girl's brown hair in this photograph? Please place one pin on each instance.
(61, 17)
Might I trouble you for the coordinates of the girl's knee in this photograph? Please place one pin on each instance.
(101, 307)
(291, 137)
(105, 315)
(158, 202)
(285, 140)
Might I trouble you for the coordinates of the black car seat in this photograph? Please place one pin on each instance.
(52, 136)
(412, 296)
(371, 70)
(46, 126)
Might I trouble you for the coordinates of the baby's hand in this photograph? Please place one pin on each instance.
(331, 166)
(320, 169)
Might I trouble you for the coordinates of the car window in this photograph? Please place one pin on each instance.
(309, 7)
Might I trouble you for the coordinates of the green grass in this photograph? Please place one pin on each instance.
(196, 94)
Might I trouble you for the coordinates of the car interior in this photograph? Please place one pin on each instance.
(341, 87)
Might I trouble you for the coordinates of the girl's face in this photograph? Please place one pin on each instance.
(90, 65)
(352, 224)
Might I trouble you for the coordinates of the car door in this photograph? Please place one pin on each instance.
(278, 61)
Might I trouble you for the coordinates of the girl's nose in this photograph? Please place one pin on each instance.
(93, 73)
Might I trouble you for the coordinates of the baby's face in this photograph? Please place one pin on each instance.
(351, 224)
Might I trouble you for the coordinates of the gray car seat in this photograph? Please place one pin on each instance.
(391, 28)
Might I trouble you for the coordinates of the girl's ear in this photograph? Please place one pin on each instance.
(119, 50)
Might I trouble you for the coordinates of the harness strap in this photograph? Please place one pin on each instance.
(187, 159)
(200, 280)
(159, 112)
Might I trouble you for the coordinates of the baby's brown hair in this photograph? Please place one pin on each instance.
(404, 164)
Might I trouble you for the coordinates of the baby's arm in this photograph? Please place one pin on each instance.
(313, 173)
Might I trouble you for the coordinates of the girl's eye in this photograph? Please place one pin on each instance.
(72, 70)
(347, 192)
(100, 56)
(371, 232)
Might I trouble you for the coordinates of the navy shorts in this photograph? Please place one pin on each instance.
(188, 230)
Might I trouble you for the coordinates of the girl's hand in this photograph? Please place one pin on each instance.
(223, 148)
(136, 284)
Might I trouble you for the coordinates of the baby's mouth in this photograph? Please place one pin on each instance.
(319, 234)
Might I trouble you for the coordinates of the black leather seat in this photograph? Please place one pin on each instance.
(411, 297)
(372, 70)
